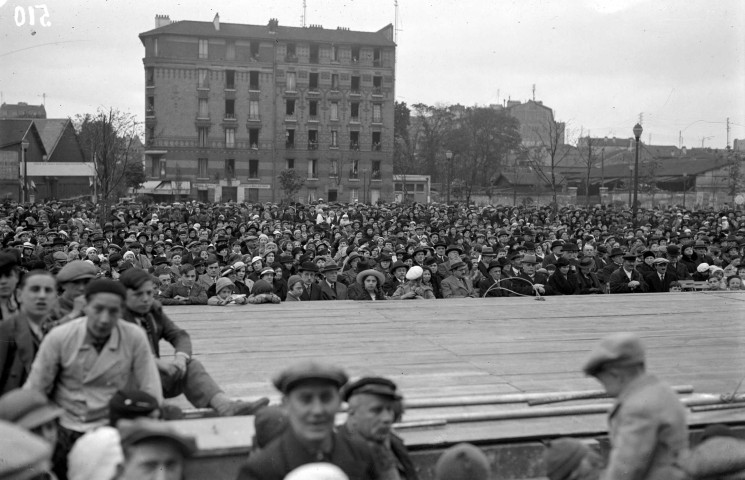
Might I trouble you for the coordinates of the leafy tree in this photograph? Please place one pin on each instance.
(291, 182)
(134, 174)
(551, 153)
(110, 140)
(431, 128)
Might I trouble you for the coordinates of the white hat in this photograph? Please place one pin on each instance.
(90, 250)
(96, 455)
(414, 273)
(702, 267)
(256, 259)
(238, 265)
(317, 471)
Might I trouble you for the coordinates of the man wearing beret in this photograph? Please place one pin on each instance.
(647, 425)
(372, 410)
(311, 398)
(81, 365)
(627, 279)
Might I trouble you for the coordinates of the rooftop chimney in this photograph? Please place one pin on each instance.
(273, 24)
(216, 21)
(162, 20)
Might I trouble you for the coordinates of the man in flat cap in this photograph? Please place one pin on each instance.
(648, 430)
(152, 449)
(373, 405)
(73, 279)
(627, 279)
(311, 398)
(660, 279)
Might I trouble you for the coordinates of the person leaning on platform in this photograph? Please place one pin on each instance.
(458, 285)
(648, 431)
(311, 399)
(627, 279)
(182, 374)
(186, 290)
(371, 413)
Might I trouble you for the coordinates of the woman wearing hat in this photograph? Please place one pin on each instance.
(369, 286)
(563, 281)
(414, 289)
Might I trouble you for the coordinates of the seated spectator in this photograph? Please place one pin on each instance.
(414, 288)
(263, 292)
(458, 284)
(224, 294)
(153, 448)
(186, 291)
(734, 283)
(294, 289)
(369, 286)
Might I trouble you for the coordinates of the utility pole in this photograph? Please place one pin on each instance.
(589, 167)
(728, 128)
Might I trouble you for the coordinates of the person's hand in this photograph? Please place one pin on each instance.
(179, 363)
(77, 306)
(633, 284)
(408, 295)
(164, 366)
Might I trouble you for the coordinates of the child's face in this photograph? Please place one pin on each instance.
(225, 293)
(297, 289)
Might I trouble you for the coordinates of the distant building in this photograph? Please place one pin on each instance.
(537, 124)
(412, 188)
(22, 110)
(739, 145)
(229, 106)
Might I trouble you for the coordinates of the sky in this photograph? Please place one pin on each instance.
(601, 65)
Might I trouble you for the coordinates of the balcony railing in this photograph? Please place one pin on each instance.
(254, 87)
(354, 175)
(375, 175)
(376, 147)
(354, 146)
(230, 116)
(291, 58)
(150, 111)
(377, 90)
(354, 91)
(312, 145)
(254, 118)
(289, 145)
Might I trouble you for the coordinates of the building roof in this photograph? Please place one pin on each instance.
(51, 131)
(22, 110)
(12, 132)
(528, 176)
(667, 167)
(307, 34)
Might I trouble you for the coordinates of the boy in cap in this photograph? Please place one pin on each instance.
(648, 430)
(311, 399)
(373, 405)
(152, 448)
(73, 279)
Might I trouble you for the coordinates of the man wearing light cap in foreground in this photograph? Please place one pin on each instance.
(372, 411)
(311, 398)
(648, 430)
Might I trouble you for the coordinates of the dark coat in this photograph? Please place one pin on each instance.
(588, 284)
(162, 328)
(486, 283)
(619, 282)
(18, 347)
(338, 293)
(312, 293)
(406, 468)
(654, 284)
(561, 285)
(286, 453)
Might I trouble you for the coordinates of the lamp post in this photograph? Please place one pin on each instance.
(449, 157)
(631, 181)
(24, 185)
(637, 134)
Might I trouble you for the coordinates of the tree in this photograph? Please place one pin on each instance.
(588, 161)
(431, 126)
(549, 156)
(110, 140)
(134, 175)
(291, 182)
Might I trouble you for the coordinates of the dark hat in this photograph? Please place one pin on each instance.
(372, 385)
(330, 266)
(629, 257)
(453, 248)
(557, 243)
(158, 260)
(28, 408)
(570, 247)
(269, 423)
(115, 246)
(495, 264)
(195, 243)
(529, 245)
(76, 270)
(586, 262)
(147, 429)
(617, 349)
(562, 457)
(562, 262)
(104, 285)
(115, 257)
(487, 252)
(673, 250)
(261, 287)
(293, 376)
(648, 253)
(602, 249)
(616, 252)
(463, 462)
(420, 248)
(134, 278)
(457, 265)
(7, 261)
(397, 265)
(308, 267)
(131, 404)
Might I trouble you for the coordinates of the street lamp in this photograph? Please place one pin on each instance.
(449, 157)
(24, 147)
(637, 134)
(631, 181)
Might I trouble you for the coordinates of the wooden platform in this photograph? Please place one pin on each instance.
(467, 347)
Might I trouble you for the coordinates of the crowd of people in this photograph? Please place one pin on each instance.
(82, 305)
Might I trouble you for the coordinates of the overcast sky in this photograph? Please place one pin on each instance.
(597, 63)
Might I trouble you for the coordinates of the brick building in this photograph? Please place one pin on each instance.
(537, 124)
(229, 106)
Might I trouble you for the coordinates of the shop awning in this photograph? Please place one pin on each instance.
(165, 187)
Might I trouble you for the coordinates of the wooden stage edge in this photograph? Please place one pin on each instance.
(464, 347)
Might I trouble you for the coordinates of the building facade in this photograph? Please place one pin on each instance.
(229, 106)
(537, 124)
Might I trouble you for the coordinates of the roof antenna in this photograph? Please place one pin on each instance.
(534, 92)
(303, 17)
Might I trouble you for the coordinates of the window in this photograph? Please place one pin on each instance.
(230, 51)
(290, 108)
(334, 168)
(355, 54)
(253, 81)
(229, 168)
(420, 187)
(354, 171)
(354, 140)
(377, 85)
(399, 187)
(252, 195)
(162, 164)
(334, 139)
(334, 81)
(333, 195)
(312, 139)
(150, 106)
(230, 109)
(312, 194)
(155, 47)
(334, 53)
(203, 132)
(312, 164)
(150, 76)
(355, 84)
(377, 113)
(375, 170)
(290, 164)
(334, 110)
(204, 111)
(253, 168)
(313, 53)
(253, 110)
(290, 138)
(354, 195)
(203, 78)
(253, 138)
(355, 111)
(255, 50)
(203, 48)
(291, 81)
(230, 138)
(376, 143)
(313, 81)
(230, 79)
(313, 109)
(376, 57)
(155, 167)
(291, 53)
(202, 168)
(150, 137)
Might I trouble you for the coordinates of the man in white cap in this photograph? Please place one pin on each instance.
(648, 430)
